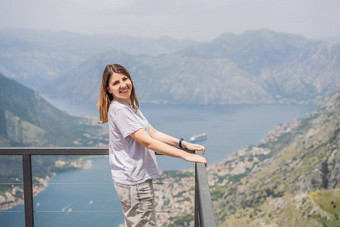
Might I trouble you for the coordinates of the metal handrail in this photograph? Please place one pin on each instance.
(204, 215)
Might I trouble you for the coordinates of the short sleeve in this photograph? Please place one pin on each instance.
(126, 121)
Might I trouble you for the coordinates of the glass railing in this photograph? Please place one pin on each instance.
(67, 190)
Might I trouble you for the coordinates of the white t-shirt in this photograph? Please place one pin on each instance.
(131, 163)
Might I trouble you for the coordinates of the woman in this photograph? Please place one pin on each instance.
(132, 143)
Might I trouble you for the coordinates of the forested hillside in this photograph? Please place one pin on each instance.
(291, 179)
(27, 120)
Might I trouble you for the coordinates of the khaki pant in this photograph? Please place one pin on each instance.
(138, 203)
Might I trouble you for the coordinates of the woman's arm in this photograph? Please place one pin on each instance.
(172, 141)
(142, 137)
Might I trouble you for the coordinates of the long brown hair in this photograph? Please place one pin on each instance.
(105, 98)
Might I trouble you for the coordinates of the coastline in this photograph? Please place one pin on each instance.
(15, 196)
(10, 199)
(180, 202)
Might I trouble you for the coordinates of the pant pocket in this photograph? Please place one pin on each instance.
(145, 190)
(146, 196)
(123, 194)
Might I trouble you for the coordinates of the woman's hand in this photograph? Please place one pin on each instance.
(194, 147)
(194, 158)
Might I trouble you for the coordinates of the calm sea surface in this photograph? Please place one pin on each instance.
(87, 197)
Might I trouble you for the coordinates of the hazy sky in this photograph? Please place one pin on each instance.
(195, 19)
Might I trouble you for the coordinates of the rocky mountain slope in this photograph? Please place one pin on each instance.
(28, 120)
(254, 67)
(291, 179)
(259, 66)
(36, 57)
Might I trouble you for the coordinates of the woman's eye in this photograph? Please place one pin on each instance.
(115, 83)
(125, 78)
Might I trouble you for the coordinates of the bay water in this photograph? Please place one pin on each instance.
(86, 197)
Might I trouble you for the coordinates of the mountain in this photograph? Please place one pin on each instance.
(254, 67)
(291, 179)
(288, 67)
(296, 181)
(173, 79)
(35, 57)
(252, 50)
(28, 120)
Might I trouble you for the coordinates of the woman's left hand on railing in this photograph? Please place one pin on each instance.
(194, 147)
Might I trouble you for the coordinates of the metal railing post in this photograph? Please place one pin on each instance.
(28, 189)
(205, 210)
(197, 203)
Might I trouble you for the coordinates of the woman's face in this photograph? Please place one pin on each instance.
(120, 87)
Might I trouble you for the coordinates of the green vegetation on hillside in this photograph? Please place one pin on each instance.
(28, 120)
(291, 179)
(302, 168)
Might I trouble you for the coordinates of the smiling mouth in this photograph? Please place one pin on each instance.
(124, 90)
